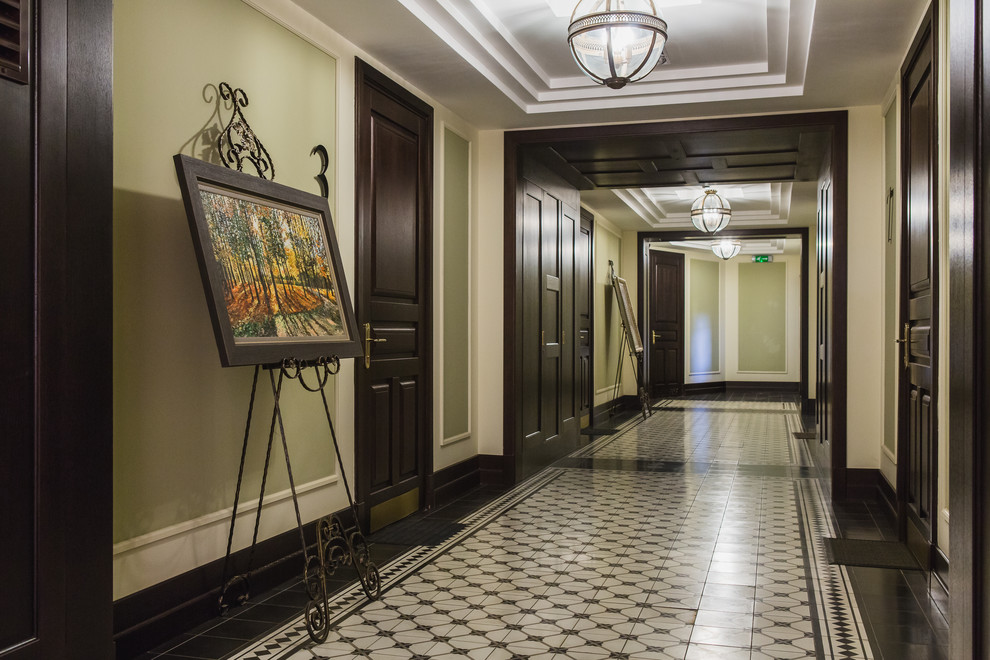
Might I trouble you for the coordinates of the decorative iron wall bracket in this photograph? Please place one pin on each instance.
(237, 142)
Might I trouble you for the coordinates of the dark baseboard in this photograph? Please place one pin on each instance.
(704, 388)
(624, 402)
(495, 470)
(748, 385)
(862, 483)
(453, 481)
(769, 386)
(940, 570)
(145, 619)
(888, 495)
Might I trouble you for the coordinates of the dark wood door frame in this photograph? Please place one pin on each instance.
(515, 141)
(367, 78)
(57, 190)
(968, 328)
(920, 534)
(645, 238)
(588, 226)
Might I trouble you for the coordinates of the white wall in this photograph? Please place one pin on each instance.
(864, 390)
(489, 259)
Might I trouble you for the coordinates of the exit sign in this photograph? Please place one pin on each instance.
(762, 258)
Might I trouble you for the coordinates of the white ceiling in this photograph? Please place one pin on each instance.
(778, 245)
(505, 64)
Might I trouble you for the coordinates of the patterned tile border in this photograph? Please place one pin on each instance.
(843, 631)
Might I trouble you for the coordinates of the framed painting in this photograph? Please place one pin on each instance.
(270, 265)
(627, 314)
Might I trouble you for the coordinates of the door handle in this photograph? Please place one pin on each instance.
(368, 341)
(656, 336)
(906, 340)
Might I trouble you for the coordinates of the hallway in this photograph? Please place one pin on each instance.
(694, 534)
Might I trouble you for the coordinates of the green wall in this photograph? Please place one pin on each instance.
(178, 416)
(762, 317)
(704, 321)
(607, 329)
(456, 284)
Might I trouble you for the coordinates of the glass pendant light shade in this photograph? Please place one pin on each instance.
(616, 41)
(726, 248)
(710, 213)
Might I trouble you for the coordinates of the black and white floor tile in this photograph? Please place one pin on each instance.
(605, 560)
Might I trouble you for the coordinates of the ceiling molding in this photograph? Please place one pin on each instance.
(763, 204)
(765, 57)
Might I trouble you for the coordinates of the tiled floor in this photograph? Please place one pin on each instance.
(694, 534)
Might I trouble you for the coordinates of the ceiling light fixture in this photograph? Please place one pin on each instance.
(617, 41)
(726, 248)
(710, 213)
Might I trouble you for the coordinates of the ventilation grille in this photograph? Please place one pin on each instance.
(14, 43)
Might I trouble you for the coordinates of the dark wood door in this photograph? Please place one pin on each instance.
(665, 331)
(549, 388)
(823, 395)
(917, 442)
(393, 298)
(56, 427)
(584, 255)
(967, 327)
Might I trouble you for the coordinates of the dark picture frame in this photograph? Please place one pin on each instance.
(627, 314)
(270, 265)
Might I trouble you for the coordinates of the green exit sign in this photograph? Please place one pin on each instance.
(762, 258)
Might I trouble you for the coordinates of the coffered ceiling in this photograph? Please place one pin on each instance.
(768, 175)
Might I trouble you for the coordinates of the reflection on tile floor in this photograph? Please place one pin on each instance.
(694, 534)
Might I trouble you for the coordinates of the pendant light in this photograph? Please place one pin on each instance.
(616, 41)
(711, 213)
(726, 248)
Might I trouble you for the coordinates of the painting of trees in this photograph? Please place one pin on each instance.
(275, 269)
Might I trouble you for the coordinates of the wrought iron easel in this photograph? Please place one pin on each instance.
(635, 357)
(336, 544)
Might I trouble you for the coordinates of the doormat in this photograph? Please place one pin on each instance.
(873, 554)
(592, 430)
(417, 531)
(804, 435)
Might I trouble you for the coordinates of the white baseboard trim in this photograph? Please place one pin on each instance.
(446, 442)
(154, 557)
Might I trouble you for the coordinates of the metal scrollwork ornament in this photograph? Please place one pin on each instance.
(336, 546)
(237, 142)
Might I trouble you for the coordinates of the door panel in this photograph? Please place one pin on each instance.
(532, 304)
(917, 444)
(550, 391)
(394, 184)
(568, 394)
(666, 327)
(394, 221)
